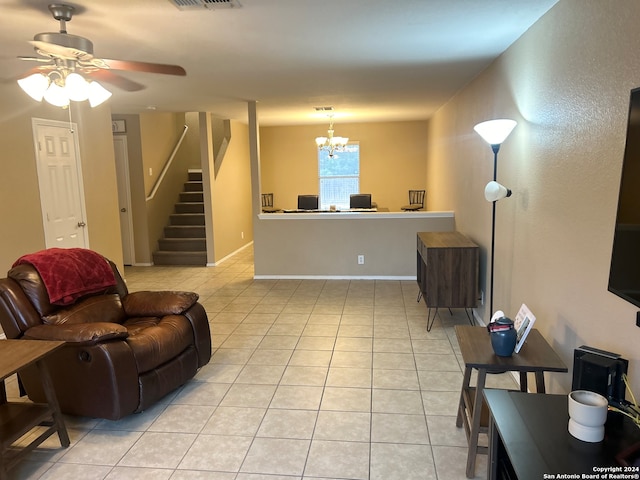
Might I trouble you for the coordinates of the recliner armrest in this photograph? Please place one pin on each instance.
(158, 304)
(78, 334)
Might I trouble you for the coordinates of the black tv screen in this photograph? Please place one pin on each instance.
(624, 275)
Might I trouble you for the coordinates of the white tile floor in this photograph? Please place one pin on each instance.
(309, 379)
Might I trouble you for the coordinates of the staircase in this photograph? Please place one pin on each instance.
(184, 241)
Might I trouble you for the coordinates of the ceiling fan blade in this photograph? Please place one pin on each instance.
(142, 66)
(116, 80)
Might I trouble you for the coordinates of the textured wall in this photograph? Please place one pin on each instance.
(567, 82)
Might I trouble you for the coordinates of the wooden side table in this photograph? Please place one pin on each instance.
(536, 356)
(18, 418)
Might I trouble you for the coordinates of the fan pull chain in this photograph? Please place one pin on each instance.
(70, 119)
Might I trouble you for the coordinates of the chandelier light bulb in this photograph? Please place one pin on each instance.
(34, 85)
(56, 95)
(97, 94)
(76, 87)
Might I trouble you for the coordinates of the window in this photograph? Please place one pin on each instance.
(339, 176)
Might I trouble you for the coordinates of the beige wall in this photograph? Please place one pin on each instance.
(231, 195)
(20, 212)
(567, 82)
(392, 160)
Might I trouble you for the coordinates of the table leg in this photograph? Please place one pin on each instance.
(3, 392)
(540, 382)
(52, 400)
(465, 387)
(475, 425)
(492, 461)
(432, 321)
(524, 382)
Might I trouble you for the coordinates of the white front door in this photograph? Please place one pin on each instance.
(60, 182)
(124, 198)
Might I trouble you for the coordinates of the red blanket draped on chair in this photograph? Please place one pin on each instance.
(70, 273)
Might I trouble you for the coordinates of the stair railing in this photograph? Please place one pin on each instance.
(167, 165)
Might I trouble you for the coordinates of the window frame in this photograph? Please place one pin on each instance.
(344, 204)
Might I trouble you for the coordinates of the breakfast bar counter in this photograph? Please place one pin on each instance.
(329, 244)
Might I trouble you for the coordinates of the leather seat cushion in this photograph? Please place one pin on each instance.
(156, 340)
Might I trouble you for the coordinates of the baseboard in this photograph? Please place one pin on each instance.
(223, 259)
(479, 321)
(142, 264)
(333, 277)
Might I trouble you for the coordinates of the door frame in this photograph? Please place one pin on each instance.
(73, 127)
(124, 171)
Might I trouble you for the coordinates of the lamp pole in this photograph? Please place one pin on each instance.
(495, 147)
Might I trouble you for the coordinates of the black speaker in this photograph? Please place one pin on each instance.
(599, 371)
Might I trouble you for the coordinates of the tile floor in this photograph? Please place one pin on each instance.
(310, 379)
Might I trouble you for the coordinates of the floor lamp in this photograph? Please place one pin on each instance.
(494, 132)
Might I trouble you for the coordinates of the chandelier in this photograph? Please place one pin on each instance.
(63, 84)
(331, 143)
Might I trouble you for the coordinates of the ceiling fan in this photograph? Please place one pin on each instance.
(62, 54)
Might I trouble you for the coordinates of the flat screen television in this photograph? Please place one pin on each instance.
(624, 275)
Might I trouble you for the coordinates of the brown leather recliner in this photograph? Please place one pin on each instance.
(123, 352)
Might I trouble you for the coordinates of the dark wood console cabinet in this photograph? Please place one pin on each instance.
(529, 440)
(447, 271)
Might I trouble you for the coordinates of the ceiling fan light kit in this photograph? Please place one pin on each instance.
(58, 89)
(68, 65)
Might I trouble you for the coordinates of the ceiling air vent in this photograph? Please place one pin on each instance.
(205, 4)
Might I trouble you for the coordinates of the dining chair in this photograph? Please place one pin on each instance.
(416, 200)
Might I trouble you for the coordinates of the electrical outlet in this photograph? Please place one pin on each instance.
(481, 297)
(242, 235)
(360, 259)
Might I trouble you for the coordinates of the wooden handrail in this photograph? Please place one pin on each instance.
(167, 165)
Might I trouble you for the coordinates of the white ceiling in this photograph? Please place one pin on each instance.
(371, 59)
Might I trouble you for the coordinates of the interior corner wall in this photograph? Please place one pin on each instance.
(393, 159)
(567, 82)
(231, 195)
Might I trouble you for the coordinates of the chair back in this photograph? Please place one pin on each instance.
(267, 199)
(307, 202)
(24, 300)
(360, 200)
(416, 197)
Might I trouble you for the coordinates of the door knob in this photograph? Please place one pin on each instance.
(82, 224)
(123, 210)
